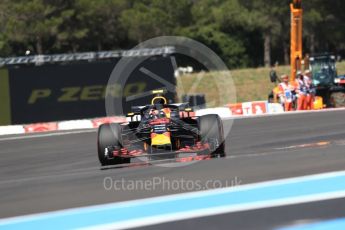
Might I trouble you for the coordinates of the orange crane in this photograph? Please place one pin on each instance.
(296, 38)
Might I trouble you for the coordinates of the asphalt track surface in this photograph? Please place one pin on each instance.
(45, 172)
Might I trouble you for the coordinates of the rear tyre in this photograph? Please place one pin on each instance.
(211, 131)
(338, 99)
(109, 135)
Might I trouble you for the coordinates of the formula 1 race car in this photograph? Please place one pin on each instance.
(161, 131)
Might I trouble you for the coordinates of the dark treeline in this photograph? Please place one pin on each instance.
(242, 32)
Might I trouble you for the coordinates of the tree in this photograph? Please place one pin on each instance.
(98, 24)
(324, 25)
(242, 32)
(4, 39)
(144, 22)
(312, 18)
(206, 26)
(178, 11)
(230, 49)
(33, 22)
(265, 16)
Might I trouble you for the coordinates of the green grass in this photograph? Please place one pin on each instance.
(250, 84)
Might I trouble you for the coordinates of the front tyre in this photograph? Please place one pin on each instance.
(109, 135)
(211, 132)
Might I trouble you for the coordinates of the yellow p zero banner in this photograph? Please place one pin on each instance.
(5, 105)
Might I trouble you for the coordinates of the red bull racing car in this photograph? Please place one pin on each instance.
(161, 131)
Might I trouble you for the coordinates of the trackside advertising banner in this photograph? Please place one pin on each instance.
(53, 92)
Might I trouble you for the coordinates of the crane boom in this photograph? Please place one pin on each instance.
(296, 37)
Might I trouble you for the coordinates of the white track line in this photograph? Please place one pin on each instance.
(58, 133)
(140, 222)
